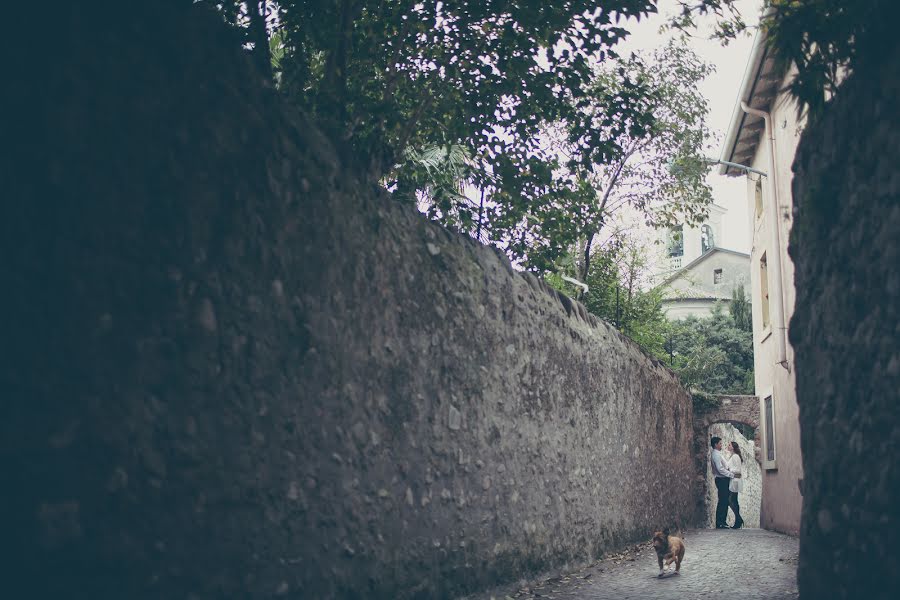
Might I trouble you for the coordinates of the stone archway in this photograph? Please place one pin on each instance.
(751, 496)
(726, 411)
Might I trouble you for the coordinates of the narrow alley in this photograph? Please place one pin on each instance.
(406, 300)
(749, 564)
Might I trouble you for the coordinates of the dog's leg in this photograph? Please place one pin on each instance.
(660, 559)
(669, 558)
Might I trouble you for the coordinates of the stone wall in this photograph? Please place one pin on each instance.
(846, 246)
(238, 373)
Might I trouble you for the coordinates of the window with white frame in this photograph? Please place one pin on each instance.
(717, 276)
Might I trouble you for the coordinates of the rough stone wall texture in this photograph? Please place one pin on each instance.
(750, 498)
(727, 409)
(240, 374)
(846, 333)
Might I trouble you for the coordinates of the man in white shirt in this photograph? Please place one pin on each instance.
(723, 477)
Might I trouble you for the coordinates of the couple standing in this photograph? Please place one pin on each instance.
(728, 482)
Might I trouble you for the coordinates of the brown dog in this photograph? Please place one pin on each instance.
(669, 548)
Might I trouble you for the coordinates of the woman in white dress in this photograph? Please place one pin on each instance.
(736, 486)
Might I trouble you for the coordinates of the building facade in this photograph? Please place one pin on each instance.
(694, 289)
(763, 135)
(696, 269)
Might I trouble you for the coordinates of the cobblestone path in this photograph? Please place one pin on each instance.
(746, 564)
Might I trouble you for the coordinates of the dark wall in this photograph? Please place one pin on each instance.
(846, 333)
(235, 372)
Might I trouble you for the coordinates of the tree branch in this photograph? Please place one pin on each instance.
(260, 37)
(413, 122)
(390, 82)
(379, 162)
(336, 64)
(586, 262)
(612, 180)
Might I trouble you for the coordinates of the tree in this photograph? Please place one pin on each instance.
(616, 291)
(661, 170)
(740, 310)
(386, 76)
(694, 360)
(486, 75)
(489, 75)
(255, 19)
(712, 354)
(435, 178)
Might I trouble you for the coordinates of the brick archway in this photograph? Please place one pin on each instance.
(737, 410)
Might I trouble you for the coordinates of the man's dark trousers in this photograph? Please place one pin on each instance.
(722, 504)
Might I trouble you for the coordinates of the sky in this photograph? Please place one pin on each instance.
(721, 89)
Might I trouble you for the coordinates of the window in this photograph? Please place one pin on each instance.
(676, 242)
(769, 453)
(717, 276)
(764, 290)
(759, 199)
(707, 241)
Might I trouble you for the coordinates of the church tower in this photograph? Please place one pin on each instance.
(684, 244)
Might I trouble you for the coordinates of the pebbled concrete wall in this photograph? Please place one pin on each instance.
(845, 332)
(239, 373)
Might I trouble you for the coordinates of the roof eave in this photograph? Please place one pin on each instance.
(738, 116)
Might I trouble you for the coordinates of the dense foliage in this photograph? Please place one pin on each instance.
(712, 354)
(617, 290)
(399, 83)
(395, 80)
(740, 310)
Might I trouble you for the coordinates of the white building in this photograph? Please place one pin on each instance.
(696, 267)
(694, 289)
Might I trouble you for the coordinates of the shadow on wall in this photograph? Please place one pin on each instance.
(751, 497)
(240, 374)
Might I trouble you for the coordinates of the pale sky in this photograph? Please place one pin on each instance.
(721, 89)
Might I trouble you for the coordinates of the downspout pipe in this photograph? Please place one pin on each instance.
(781, 337)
